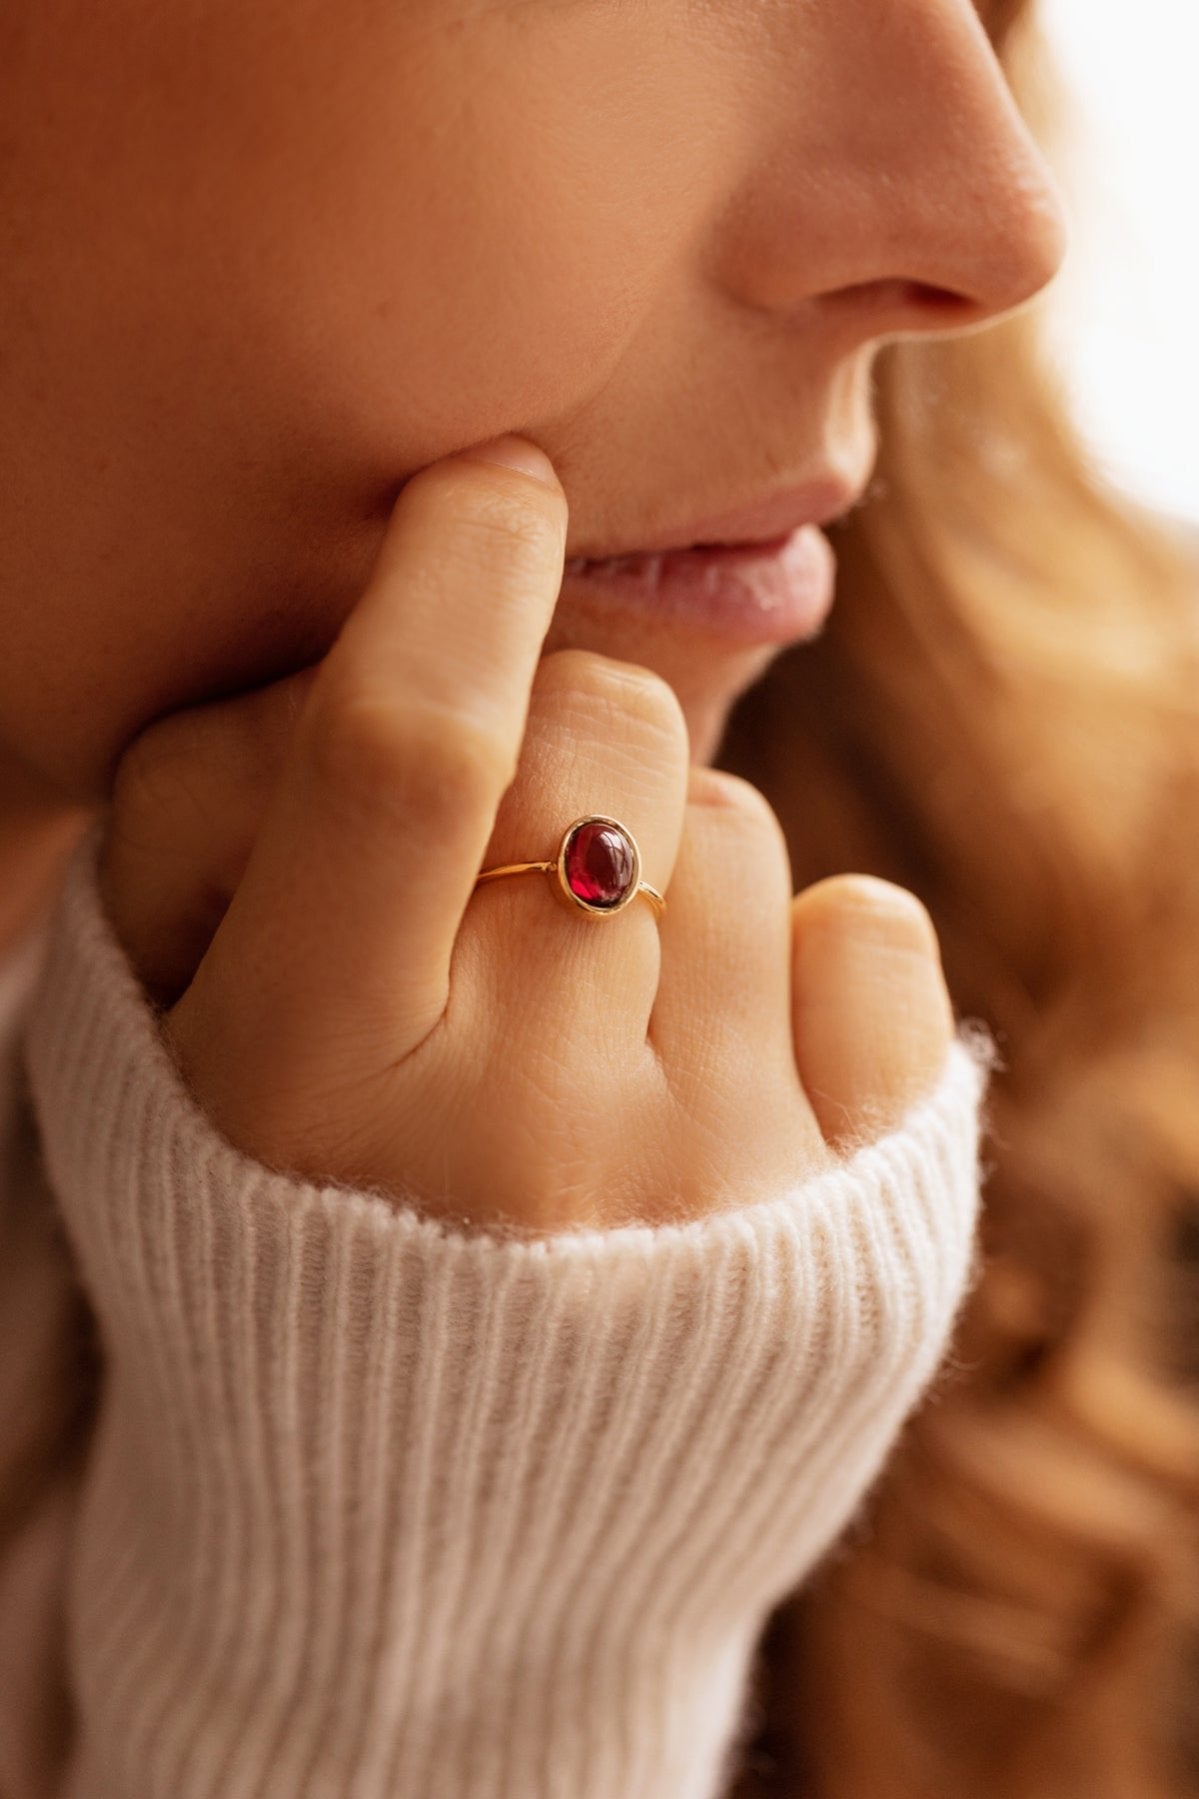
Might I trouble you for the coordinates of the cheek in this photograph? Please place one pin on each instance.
(330, 232)
(465, 226)
(305, 249)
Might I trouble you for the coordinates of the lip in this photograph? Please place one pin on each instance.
(766, 520)
(774, 592)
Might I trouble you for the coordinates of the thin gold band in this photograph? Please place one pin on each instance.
(570, 883)
(520, 868)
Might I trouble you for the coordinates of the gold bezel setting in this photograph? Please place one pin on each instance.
(563, 880)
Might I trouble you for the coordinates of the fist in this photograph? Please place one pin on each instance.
(292, 874)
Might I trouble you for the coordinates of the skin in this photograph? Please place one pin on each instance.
(266, 260)
(264, 266)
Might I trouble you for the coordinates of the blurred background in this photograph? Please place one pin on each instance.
(1123, 317)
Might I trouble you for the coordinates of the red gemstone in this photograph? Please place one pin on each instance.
(599, 864)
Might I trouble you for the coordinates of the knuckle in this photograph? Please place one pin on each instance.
(138, 782)
(617, 693)
(870, 905)
(369, 752)
(718, 789)
(156, 773)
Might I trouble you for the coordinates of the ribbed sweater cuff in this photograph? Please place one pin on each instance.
(381, 1509)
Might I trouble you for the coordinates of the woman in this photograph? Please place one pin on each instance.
(387, 1477)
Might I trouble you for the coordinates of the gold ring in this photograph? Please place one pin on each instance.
(597, 869)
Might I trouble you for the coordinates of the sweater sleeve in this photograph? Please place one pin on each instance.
(380, 1509)
(45, 1393)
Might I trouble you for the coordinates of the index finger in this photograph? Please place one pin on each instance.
(367, 857)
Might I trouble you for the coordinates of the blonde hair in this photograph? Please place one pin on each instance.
(1003, 714)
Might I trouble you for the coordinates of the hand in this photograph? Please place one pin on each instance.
(292, 875)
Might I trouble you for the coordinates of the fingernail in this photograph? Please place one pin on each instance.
(516, 452)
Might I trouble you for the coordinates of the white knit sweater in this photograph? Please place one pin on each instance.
(370, 1508)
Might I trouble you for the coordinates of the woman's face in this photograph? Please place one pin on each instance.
(263, 259)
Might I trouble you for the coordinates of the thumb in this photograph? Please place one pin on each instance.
(872, 1019)
(187, 800)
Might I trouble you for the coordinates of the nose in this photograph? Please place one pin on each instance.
(910, 190)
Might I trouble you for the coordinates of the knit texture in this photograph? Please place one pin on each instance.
(44, 1396)
(379, 1509)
